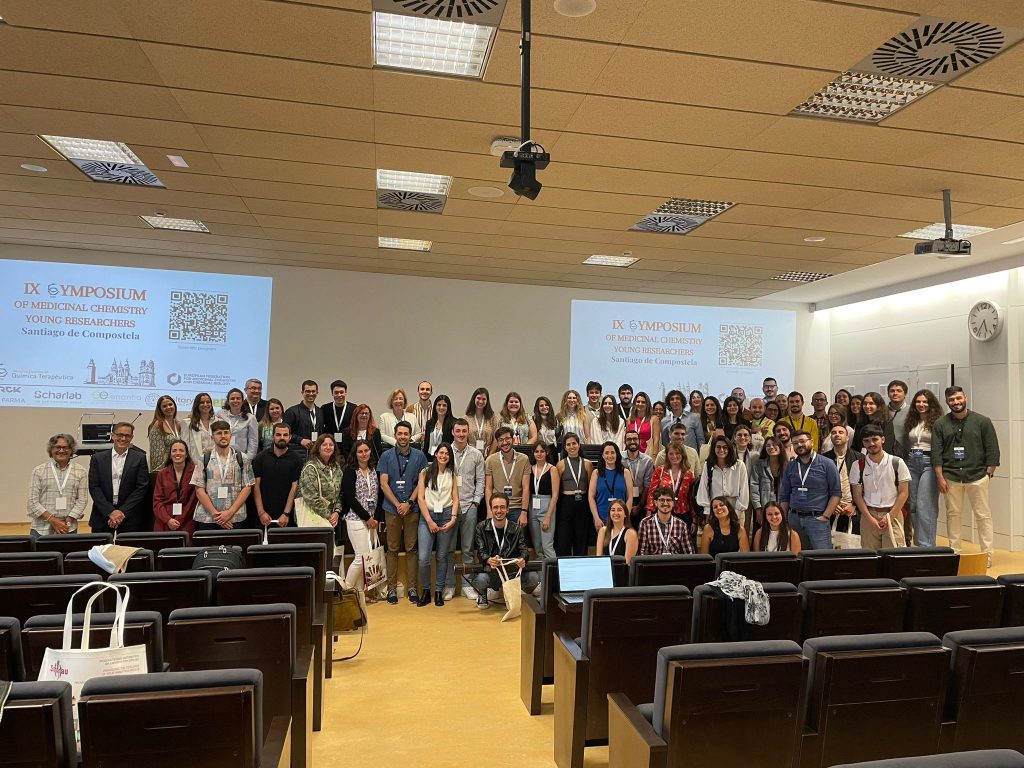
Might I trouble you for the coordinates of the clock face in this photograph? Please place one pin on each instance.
(985, 320)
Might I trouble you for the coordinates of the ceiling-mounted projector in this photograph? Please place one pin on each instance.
(947, 246)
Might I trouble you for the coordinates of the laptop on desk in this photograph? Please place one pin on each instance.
(578, 574)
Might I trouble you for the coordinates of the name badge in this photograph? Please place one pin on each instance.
(479, 445)
(959, 452)
(222, 492)
(116, 477)
(338, 437)
(371, 505)
(439, 509)
(176, 510)
(61, 503)
(400, 485)
(507, 490)
(535, 502)
(458, 481)
(578, 496)
(313, 436)
(636, 492)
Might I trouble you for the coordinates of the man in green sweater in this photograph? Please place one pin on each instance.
(965, 454)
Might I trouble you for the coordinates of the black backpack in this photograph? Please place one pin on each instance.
(217, 559)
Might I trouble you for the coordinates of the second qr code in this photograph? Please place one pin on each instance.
(741, 346)
(198, 316)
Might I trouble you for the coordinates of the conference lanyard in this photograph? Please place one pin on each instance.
(479, 427)
(402, 470)
(537, 478)
(500, 542)
(664, 539)
(312, 419)
(635, 425)
(458, 464)
(615, 542)
(174, 430)
(675, 482)
(574, 471)
(609, 488)
(177, 484)
(803, 476)
(337, 418)
(67, 474)
(508, 472)
(221, 466)
(632, 464)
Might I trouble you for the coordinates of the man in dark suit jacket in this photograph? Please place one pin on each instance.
(304, 418)
(336, 416)
(118, 481)
(254, 402)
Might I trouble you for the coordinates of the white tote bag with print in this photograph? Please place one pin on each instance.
(77, 665)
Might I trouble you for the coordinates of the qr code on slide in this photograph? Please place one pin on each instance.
(197, 316)
(740, 345)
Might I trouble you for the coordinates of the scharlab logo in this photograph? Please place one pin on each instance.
(58, 671)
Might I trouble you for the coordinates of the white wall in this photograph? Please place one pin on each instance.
(379, 331)
(929, 326)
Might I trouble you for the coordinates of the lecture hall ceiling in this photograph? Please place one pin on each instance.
(283, 120)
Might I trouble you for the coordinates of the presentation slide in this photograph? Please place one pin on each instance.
(660, 347)
(101, 338)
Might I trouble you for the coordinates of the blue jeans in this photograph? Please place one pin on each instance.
(491, 580)
(467, 530)
(924, 498)
(813, 533)
(425, 544)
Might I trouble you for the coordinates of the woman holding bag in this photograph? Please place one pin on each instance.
(320, 486)
(438, 498)
(361, 498)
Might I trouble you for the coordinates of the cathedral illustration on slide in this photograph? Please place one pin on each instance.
(121, 374)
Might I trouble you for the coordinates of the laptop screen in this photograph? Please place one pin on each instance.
(576, 574)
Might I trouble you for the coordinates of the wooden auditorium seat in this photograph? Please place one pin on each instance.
(941, 604)
(166, 591)
(31, 564)
(710, 616)
(823, 564)
(688, 571)
(37, 729)
(761, 566)
(852, 607)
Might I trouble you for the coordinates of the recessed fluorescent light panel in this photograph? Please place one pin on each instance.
(411, 191)
(863, 97)
(181, 225)
(610, 261)
(107, 161)
(430, 45)
(178, 161)
(936, 231)
(802, 277)
(404, 244)
(680, 216)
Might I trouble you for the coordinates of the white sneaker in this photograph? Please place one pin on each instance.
(449, 593)
(469, 593)
(536, 591)
(493, 594)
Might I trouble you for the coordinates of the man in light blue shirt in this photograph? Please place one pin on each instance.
(399, 469)
(809, 493)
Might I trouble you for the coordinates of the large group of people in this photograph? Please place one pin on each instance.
(687, 474)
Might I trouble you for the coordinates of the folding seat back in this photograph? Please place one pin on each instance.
(79, 562)
(986, 693)
(755, 687)
(38, 728)
(47, 631)
(31, 564)
(230, 537)
(166, 591)
(890, 685)
(293, 556)
(177, 558)
(196, 719)
(261, 586)
(76, 542)
(237, 637)
(12, 665)
(16, 544)
(1013, 599)
(761, 566)
(899, 563)
(154, 540)
(25, 596)
(713, 621)
(323, 536)
(852, 607)
(941, 604)
(688, 571)
(824, 564)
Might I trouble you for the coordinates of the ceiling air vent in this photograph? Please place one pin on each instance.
(420, 202)
(802, 277)
(680, 216)
(938, 50)
(926, 55)
(487, 12)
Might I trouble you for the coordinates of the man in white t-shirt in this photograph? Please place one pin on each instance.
(880, 485)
